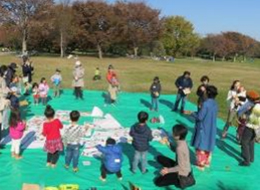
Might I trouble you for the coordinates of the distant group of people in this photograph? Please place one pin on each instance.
(243, 105)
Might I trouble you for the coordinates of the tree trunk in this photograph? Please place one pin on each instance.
(136, 51)
(100, 53)
(244, 58)
(61, 45)
(235, 58)
(24, 42)
(223, 58)
(214, 58)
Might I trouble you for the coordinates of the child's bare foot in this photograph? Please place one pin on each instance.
(48, 164)
(102, 179)
(66, 166)
(18, 157)
(201, 168)
(75, 170)
(13, 155)
(53, 165)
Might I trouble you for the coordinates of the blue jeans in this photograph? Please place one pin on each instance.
(72, 153)
(154, 104)
(183, 99)
(139, 156)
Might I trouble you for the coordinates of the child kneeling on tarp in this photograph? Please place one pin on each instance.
(112, 159)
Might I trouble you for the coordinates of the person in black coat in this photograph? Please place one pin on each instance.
(184, 84)
(10, 73)
(27, 71)
(141, 135)
(155, 90)
(201, 91)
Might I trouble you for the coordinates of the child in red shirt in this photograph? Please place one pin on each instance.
(51, 130)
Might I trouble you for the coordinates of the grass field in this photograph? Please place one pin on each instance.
(136, 74)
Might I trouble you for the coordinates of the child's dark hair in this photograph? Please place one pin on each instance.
(142, 117)
(233, 84)
(212, 92)
(156, 79)
(97, 68)
(74, 116)
(14, 118)
(49, 112)
(204, 78)
(179, 131)
(35, 85)
(110, 141)
(43, 79)
(58, 71)
(186, 73)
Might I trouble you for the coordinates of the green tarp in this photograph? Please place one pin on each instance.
(224, 173)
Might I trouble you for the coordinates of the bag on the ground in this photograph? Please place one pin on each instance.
(186, 181)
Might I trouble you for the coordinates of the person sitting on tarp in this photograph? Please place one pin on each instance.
(112, 159)
(97, 75)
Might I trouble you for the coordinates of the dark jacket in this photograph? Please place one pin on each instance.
(142, 135)
(155, 87)
(112, 157)
(27, 72)
(184, 83)
(9, 75)
(14, 100)
(201, 95)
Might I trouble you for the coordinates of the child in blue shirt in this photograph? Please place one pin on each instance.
(112, 159)
(56, 80)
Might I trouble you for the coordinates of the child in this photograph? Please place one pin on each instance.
(174, 171)
(17, 127)
(15, 105)
(53, 143)
(142, 135)
(72, 137)
(56, 80)
(44, 89)
(97, 75)
(155, 90)
(36, 95)
(112, 159)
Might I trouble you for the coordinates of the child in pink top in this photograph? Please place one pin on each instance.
(44, 89)
(17, 127)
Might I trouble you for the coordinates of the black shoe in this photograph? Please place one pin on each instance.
(245, 164)
(174, 110)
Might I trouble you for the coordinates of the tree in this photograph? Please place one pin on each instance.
(137, 24)
(179, 37)
(95, 23)
(63, 22)
(20, 14)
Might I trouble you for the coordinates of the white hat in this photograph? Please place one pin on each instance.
(78, 63)
(14, 89)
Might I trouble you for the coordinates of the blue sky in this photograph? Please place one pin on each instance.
(215, 16)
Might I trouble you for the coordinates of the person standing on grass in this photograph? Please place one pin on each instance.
(232, 100)
(173, 170)
(56, 81)
(141, 135)
(155, 90)
(51, 130)
(113, 84)
(17, 127)
(204, 136)
(184, 85)
(78, 80)
(112, 159)
(27, 69)
(252, 111)
(201, 92)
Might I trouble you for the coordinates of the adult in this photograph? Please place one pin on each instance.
(204, 137)
(232, 100)
(78, 80)
(201, 91)
(27, 68)
(113, 85)
(4, 103)
(10, 73)
(251, 109)
(184, 85)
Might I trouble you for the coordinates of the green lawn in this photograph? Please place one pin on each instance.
(136, 74)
